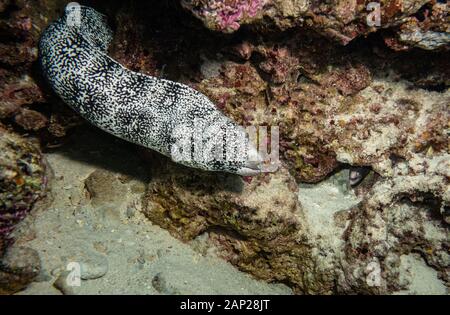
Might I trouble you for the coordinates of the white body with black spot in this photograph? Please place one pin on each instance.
(148, 111)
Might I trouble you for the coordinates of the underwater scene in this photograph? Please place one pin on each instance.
(224, 147)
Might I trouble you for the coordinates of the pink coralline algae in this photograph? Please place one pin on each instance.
(230, 15)
(227, 15)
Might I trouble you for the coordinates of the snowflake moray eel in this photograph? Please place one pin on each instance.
(155, 113)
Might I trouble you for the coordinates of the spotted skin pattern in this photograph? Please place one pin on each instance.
(149, 111)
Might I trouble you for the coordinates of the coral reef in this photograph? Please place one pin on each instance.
(401, 215)
(356, 105)
(380, 101)
(226, 16)
(330, 111)
(24, 99)
(413, 23)
(262, 228)
(257, 226)
(428, 29)
(23, 181)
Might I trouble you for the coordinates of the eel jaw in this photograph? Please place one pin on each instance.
(249, 169)
(256, 164)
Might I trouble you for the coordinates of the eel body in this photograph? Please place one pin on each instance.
(159, 114)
